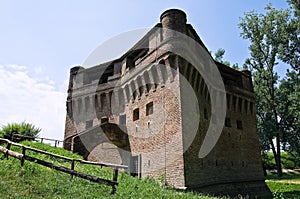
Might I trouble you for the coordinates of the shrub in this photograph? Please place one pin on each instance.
(25, 129)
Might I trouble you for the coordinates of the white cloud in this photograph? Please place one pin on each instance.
(17, 67)
(26, 98)
(38, 70)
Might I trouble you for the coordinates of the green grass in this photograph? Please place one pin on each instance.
(36, 181)
(288, 186)
(287, 160)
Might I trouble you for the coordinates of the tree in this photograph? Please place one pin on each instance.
(268, 34)
(219, 58)
(290, 52)
(290, 111)
(23, 128)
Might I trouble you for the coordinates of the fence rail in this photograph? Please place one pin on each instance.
(22, 157)
(18, 137)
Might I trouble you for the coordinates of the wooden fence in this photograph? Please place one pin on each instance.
(22, 157)
(18, 137)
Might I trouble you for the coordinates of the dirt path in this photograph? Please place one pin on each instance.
(285, 181)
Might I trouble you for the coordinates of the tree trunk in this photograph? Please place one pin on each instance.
(278, 162)
(277, 155)
(273, 106)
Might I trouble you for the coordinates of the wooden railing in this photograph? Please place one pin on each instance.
(22, 157)
(18, 137)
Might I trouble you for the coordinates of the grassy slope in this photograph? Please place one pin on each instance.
(286, 187)
(36, 181)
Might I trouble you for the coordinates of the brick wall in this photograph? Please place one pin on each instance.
(164, 139)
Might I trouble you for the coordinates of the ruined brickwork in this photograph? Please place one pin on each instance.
(137, 110)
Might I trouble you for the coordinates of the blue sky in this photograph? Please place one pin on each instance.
(41, 40)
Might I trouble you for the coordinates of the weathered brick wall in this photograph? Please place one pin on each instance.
(167, 141)
(236, 156)
(157, 137)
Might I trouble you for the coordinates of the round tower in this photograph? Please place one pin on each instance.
(173, 19)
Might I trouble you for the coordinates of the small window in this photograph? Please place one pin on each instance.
(227, 122)
(88, 124)
(149, 108)
(96, 102)
(240, 104)
(188, 73)
(206, 93)
(193, 75)
(198, 82)
(228, 101)
(148, 87)
(202, 86)
(246, 106)
(104, 120)
(239, 124)
(134, 95)
(102, 101)
(251, 107)
(122, 120)
(233, 103)
(136, 114)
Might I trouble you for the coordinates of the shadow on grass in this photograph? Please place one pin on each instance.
(284, 177)
(291, 194)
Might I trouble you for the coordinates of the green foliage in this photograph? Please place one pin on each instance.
(290, 52)
(219, 55)
(23, 128)
(268, 161)
(36, 181)
(289, 111)
(219, 58)
(274, 38)
(266, 33)
(288, 161)
(1, 134)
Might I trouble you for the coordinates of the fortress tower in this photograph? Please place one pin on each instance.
(159, 108)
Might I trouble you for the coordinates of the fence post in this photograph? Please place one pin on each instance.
(42, 140)
(115, 178)
(72, 167)
(8, 148)
(23, 153)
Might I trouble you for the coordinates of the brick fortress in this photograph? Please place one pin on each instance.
(139, 110)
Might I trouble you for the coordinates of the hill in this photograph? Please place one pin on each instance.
(36, 181)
